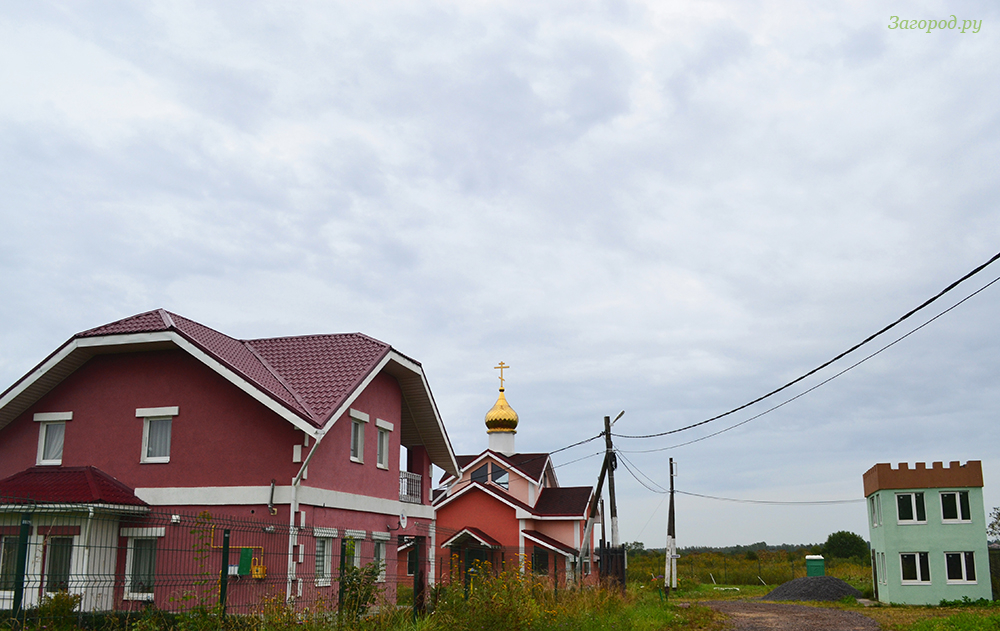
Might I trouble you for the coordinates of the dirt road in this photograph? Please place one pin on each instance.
(766, 616)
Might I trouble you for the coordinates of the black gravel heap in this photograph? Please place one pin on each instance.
(813, 588)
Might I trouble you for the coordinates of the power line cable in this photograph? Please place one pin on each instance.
(629, 466)
(773, 502)
(868, 339)
(822, 383)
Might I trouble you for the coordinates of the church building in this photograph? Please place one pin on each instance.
(507, 508)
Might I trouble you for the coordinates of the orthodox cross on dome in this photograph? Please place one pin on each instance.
(501, 367)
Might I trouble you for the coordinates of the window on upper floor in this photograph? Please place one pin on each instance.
(482, 474)
(384, 429)
(915, 567)
(955, 506)
(961, 567)
(157, 425)
(51, 436)
(910, 508)
(499, 475)
(358, 422)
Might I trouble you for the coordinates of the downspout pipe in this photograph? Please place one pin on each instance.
(293, 509)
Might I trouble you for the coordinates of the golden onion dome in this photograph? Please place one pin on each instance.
(501, 417)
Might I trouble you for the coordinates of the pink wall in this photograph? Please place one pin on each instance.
(332, 467)
(221, 437)
(477, 510)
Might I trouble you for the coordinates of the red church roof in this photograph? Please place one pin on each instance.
(66, 485)
(570, 501)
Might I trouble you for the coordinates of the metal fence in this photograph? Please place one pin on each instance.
(114, 559)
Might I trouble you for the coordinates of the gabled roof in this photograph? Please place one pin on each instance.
(531, 466)
(66, 485)
(475, 534)
(309, 380)
(552, 544)
(489, 489)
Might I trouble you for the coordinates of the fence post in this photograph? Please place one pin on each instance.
(224, 573)
(21, 563)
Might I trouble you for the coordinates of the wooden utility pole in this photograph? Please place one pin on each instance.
(612, 464)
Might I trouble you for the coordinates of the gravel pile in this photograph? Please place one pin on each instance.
(813, 588)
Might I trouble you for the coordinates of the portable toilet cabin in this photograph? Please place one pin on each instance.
(815, 565)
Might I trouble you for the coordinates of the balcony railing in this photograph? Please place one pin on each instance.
(410, 485)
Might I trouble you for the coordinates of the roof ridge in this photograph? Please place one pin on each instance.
(281, 380)
(167, 320)
(88, 475)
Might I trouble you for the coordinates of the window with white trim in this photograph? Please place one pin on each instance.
(157, 425)
(58, 562)
(379, 558)
(358, 422)
(324, 552)
(915, 568)
(51, 436)
(140, 561)
(141, 569)
(961, 567)
(384, 428)
(910, 508)
(955, 506)
(8, 562)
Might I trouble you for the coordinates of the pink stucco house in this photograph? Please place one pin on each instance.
(158, 414)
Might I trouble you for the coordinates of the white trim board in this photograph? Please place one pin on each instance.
(254, 495)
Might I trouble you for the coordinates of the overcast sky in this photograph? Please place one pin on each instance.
(668, 208)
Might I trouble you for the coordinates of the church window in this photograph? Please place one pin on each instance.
(481, 474)
(500, 476)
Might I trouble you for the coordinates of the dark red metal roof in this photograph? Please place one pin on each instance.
(531, 465)
(310, 375)
(66, 485)
(549, 542)
(570, 501)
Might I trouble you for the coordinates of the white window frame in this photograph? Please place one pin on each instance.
(9, 559)
(47, 569)
(920, 580)
(384, 430)
(913, 508)
(132, 534)
(379, 553)
(46, 420)
(325, 563)
(958, 507)
(357, 443)
(964, 557)
(155, 414)
(356, 536)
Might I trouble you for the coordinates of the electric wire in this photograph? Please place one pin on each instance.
(818, 385)
(773, 502)
(840, 356)
(629, 466)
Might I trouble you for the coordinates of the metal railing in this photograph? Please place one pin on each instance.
(410, 487)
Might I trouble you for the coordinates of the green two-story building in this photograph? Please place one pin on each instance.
(928, 532)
